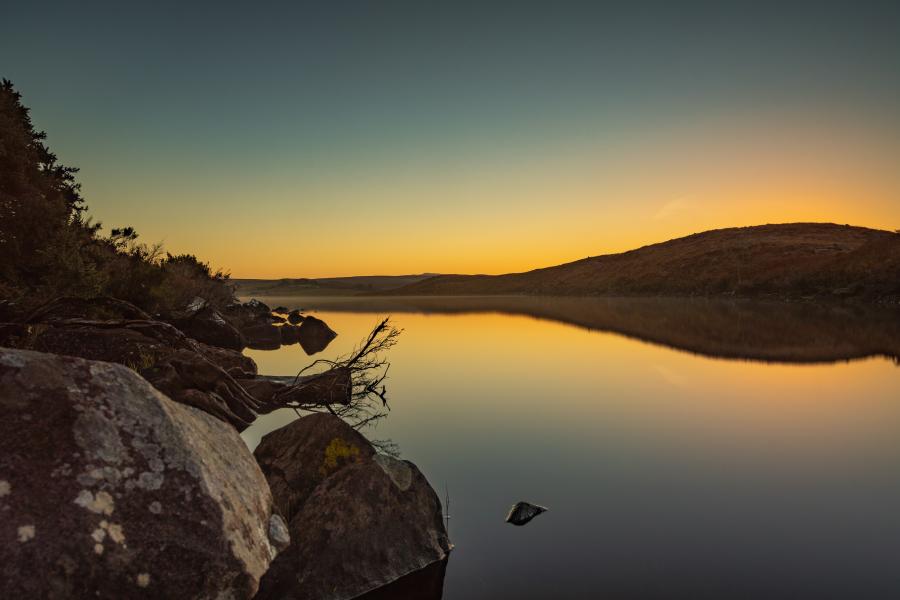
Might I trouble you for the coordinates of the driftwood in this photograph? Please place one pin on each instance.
(351, 387)
(333, 386)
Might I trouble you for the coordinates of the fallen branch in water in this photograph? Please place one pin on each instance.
(351, 387)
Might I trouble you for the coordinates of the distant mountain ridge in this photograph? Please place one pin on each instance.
(783, 260)
(324, 286)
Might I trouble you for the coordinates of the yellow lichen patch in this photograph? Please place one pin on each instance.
(337, 453)
(144, 360)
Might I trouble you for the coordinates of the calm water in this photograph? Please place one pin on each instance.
(668, 470)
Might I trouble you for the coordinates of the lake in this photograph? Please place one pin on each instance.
(685, 449)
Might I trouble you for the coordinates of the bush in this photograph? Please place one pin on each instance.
(48, 248)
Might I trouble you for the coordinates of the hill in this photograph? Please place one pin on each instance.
(325, 286)
(785, 260)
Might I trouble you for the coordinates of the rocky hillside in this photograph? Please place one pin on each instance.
(787, 260)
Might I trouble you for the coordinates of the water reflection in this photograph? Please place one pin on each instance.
(670, 474)
(796, 332)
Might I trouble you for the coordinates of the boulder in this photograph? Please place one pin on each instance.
(300, 455)
(358, 520)
(262, 336)
(294, 317)
(208, 326)
(283, 310)
(290, 334)
(276, 318)
(315, 335)
(108, 489)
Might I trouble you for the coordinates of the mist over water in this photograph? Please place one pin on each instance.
(671, 465)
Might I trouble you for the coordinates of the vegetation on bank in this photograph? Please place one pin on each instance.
(50, 247)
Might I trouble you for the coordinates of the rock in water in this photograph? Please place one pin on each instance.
(295, 317)
(358, 520)
(290, 334)
(523, 512)
(315, 335)
(208, 326)
(108, 489)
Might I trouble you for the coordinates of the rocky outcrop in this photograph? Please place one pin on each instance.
(102, 308)
(208, 326)
(188, 371)
(108, 489)
(294, 317)
(359, 520)
(315, 335)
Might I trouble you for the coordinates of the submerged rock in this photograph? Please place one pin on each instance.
(109, 489)
(523, 512)
(315, 335)
(358, 520)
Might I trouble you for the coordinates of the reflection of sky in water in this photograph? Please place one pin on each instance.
(666, 474)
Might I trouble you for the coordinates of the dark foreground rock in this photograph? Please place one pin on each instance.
(110, 490)
(359, 520)
(315, 335)
(294, 317)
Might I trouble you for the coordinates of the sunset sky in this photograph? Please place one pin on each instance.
(350, 138)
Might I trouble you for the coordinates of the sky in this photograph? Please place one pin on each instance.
(380, 137)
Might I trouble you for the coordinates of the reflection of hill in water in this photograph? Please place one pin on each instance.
(739, 329)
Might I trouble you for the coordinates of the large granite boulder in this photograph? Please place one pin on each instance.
(359, 520)
(314, 335)
(299, 456)
(110, 490)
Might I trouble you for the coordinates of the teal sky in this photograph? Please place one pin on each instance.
(359, 137)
